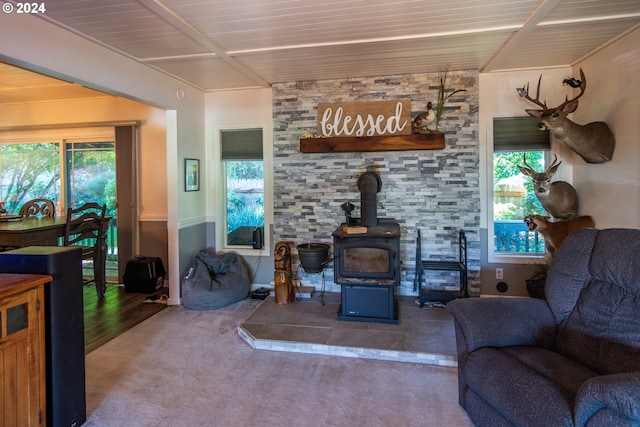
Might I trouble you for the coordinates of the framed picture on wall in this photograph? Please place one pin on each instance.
(191, 175)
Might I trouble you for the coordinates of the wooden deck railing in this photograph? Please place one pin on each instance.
(514, 236)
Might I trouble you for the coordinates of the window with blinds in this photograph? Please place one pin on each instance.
(243, 144)
(513, 194)
(518, 134)
(242, 161)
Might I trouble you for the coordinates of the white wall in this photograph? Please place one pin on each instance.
(40, 46)
(228, 110)
(239, 109)
(610, 192)
(498, 98)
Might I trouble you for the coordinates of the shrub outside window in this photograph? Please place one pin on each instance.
(244, 190)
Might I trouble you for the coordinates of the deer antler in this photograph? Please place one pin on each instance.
(524, 92)
(524, 155)
(553, 164)
(583, 86)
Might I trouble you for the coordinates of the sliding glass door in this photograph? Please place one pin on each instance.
(91, 177)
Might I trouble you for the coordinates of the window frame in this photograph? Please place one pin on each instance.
(225, 220)
(492, 255)
(220, 190)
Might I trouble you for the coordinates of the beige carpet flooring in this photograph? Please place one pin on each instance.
(191, 368)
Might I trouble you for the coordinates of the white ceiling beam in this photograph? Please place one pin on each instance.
(514, 42)
(180, 24)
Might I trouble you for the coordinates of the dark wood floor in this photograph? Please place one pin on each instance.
(116, 313)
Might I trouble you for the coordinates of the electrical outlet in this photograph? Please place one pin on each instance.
(499, 274)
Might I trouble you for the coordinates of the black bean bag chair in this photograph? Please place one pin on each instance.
(215, 280)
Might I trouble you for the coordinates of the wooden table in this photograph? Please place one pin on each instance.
(44, 231)
(31, 231)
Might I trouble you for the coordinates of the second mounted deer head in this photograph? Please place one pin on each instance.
(558, 198)
(594, 142)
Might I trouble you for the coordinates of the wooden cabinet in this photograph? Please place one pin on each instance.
(22, 350)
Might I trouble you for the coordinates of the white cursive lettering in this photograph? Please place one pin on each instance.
(339, 124)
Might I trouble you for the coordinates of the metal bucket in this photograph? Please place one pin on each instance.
(313, 256)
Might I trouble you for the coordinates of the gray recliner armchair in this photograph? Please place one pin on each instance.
(570, 360)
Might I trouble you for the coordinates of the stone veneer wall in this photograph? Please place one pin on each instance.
(434, 190)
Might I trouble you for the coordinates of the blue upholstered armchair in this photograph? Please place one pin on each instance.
(570, 360)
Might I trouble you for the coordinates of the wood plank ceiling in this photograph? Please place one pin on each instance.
(228, 44)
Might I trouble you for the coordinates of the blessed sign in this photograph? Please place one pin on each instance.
(365, 118)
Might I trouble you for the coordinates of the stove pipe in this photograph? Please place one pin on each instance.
(369, 185)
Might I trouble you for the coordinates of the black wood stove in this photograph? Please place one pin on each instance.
(367, 261)
(367, 267)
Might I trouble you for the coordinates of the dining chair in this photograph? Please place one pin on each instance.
(38, 207)
(86, 227)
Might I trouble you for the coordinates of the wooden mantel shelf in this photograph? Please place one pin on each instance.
(427, 141)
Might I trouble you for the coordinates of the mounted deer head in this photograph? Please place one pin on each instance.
(594, 142)
(558, 198)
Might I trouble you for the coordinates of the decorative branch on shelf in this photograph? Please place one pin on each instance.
(422, 121)
(442, 98)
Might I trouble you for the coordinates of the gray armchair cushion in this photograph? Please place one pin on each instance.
(602, 330)
(532, 385)
(502, 322)
(610, 397)
(568, 273)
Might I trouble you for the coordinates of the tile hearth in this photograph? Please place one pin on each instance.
(422, 335)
